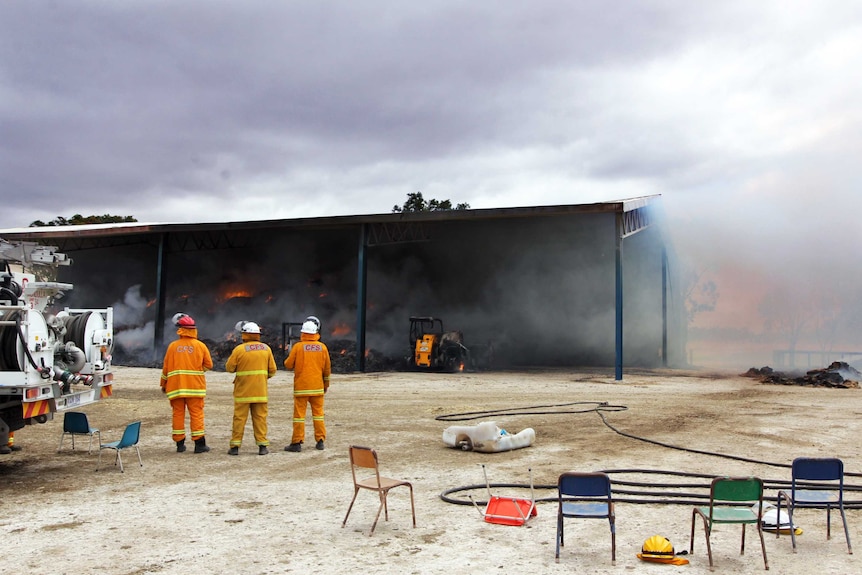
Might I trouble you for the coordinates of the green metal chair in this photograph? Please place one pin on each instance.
(725, 496)
(805, 493)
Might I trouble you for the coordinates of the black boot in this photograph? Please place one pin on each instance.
(181, 446)
(201, 445)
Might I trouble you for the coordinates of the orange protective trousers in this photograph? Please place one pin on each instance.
(300, 406)
(195, 406)
(258, 422)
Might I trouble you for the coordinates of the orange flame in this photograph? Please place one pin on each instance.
(340, 330)
(232, 292)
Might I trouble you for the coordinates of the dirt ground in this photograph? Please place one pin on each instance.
(282, 513)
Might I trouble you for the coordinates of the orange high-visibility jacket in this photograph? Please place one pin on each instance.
(186, 360)
(309, 360)
(253, 364)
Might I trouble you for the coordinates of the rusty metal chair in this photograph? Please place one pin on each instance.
(366, 458)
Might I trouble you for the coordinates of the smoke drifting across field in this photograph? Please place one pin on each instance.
(782, 253)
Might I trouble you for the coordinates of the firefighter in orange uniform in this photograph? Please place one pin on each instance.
(253, 364)
(183, 381)
(309, 361)
(10, 446)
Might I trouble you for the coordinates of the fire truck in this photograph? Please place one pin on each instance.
(49, 362)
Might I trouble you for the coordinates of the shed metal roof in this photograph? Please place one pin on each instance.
(631, 206)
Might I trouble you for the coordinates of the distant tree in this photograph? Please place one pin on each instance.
(416, 203)
(786, 313)
(78, 220)
(699, 294)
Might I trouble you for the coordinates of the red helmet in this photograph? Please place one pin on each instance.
(183, 320)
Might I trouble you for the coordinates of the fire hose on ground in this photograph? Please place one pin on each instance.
(626, 491)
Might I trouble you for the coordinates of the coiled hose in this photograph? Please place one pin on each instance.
(628, 491)
(76, 327)
(8, 349)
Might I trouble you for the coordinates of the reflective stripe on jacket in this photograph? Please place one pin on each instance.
(309, 360)
(253, 364)
(186, 361)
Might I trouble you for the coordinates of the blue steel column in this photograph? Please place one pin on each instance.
(361, 284)
(663, 306)
(161, 282)
(618, 233)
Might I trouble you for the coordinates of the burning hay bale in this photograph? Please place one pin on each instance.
(838, 375)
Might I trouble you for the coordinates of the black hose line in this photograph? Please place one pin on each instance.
(653, 495)
(26, 346)
(471, 415)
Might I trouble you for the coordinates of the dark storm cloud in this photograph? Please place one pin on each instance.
(108, 104)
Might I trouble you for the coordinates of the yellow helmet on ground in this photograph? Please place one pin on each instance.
(658, 549)
(657, 546)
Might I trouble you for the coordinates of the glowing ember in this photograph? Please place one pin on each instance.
(230, 294)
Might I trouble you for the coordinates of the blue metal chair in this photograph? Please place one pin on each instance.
(806, 494)
(75, 423)
(724, 492)
(587, 496)
(130, 438)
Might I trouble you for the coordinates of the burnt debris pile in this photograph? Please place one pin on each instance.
(838, 375)
(342, 354)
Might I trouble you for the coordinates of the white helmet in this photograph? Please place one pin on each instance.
(309, 327)
(247, 327)
(315, 320)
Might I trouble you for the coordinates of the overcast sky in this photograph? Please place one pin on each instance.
(744, 115)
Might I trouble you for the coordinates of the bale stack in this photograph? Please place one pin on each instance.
(838, 375)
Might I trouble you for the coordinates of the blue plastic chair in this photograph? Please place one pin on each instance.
(587, 496)
(725, 496)
(75, 423)
(804, 493)
(130, 438)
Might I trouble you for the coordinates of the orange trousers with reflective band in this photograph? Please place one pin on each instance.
(195, 406)
(300, 406)
(258, 422)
